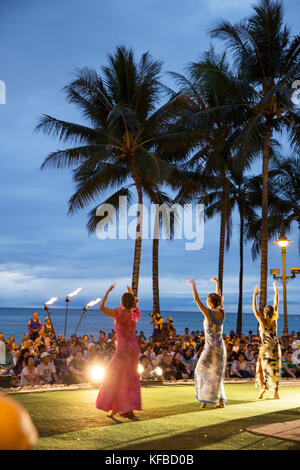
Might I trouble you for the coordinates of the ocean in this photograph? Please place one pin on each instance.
(13, 321)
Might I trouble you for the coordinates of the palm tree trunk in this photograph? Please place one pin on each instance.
(138, 239)
(239, 321)
(155, 282)
(264, 221)
(222, 233)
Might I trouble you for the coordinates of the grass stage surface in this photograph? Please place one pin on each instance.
(171, 419)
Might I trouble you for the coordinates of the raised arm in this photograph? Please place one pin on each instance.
(218, 290)
(201, 306)
(256, 312)
(107, 311)
(276, 298)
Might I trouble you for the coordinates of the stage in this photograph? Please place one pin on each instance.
(171, 419)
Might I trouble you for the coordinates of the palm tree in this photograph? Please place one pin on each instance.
(243, 190)
(117, 150)
(267, 58)
(211, 86)
(164, 217)
(288, 180)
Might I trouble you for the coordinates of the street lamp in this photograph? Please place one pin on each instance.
(283, 242)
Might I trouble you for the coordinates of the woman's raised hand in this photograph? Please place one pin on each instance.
(256, 290)
(111, 287)
(213, 279)
(275, 286)
(129, 290)
(192, 282)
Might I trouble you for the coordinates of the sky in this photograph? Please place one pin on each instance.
(43, 251)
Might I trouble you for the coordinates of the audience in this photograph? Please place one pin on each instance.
(44, 358)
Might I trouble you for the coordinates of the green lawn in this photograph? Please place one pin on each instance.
(171, 419)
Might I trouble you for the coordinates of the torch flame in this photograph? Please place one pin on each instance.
(93, 302)
(75, 292)
(51, 301)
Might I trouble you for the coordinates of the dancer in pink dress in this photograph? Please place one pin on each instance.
(120, 390)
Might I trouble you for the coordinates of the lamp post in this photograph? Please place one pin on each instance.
(283, 242)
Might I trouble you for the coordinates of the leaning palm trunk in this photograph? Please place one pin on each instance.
(155, 282)
(264, 220)
(239, 321)
(138, 239)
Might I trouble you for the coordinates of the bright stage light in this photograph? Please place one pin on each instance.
(140, 369)
(97, 373)
(158, 371)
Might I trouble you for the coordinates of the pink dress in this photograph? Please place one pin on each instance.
(120, 390)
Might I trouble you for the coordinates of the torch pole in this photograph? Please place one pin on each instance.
(66, 315)
(78, 324)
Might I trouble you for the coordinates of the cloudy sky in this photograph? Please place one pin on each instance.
(44, 252)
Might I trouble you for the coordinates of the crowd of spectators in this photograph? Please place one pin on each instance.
(44, 358)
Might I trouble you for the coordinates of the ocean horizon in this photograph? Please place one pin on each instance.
(13, 321)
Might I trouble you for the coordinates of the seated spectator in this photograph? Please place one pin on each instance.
(168, 370)
(76, 369)
(34, 326)
(39, 351)
(289, 368)
(181, 372)
(60, 362)
(296, 357)
(149, 353)
(21, 361)
(240, 367)
(29, 374)
(296, 342)
(6, 368)
(160, 357)
(46, 370)
(189, 361)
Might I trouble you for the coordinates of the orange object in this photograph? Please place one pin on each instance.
(17, 431)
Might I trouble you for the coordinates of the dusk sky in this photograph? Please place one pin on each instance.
(43, 251)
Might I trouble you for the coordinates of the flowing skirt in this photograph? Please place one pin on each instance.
(120, 390)
(268, 367)
(209, 374)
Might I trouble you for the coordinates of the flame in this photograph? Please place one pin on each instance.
(75, 292)
(93, 302)
(51, 301)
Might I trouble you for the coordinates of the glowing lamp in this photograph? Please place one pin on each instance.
(140, 369)
(283, 241)
(97, 373)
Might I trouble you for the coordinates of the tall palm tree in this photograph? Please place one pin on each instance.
(243, 190)
(288, 180)
(211, 86)
(267, 58)
(164, 218)
(117, 150)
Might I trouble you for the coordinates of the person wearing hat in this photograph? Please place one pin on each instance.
(46, 370)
